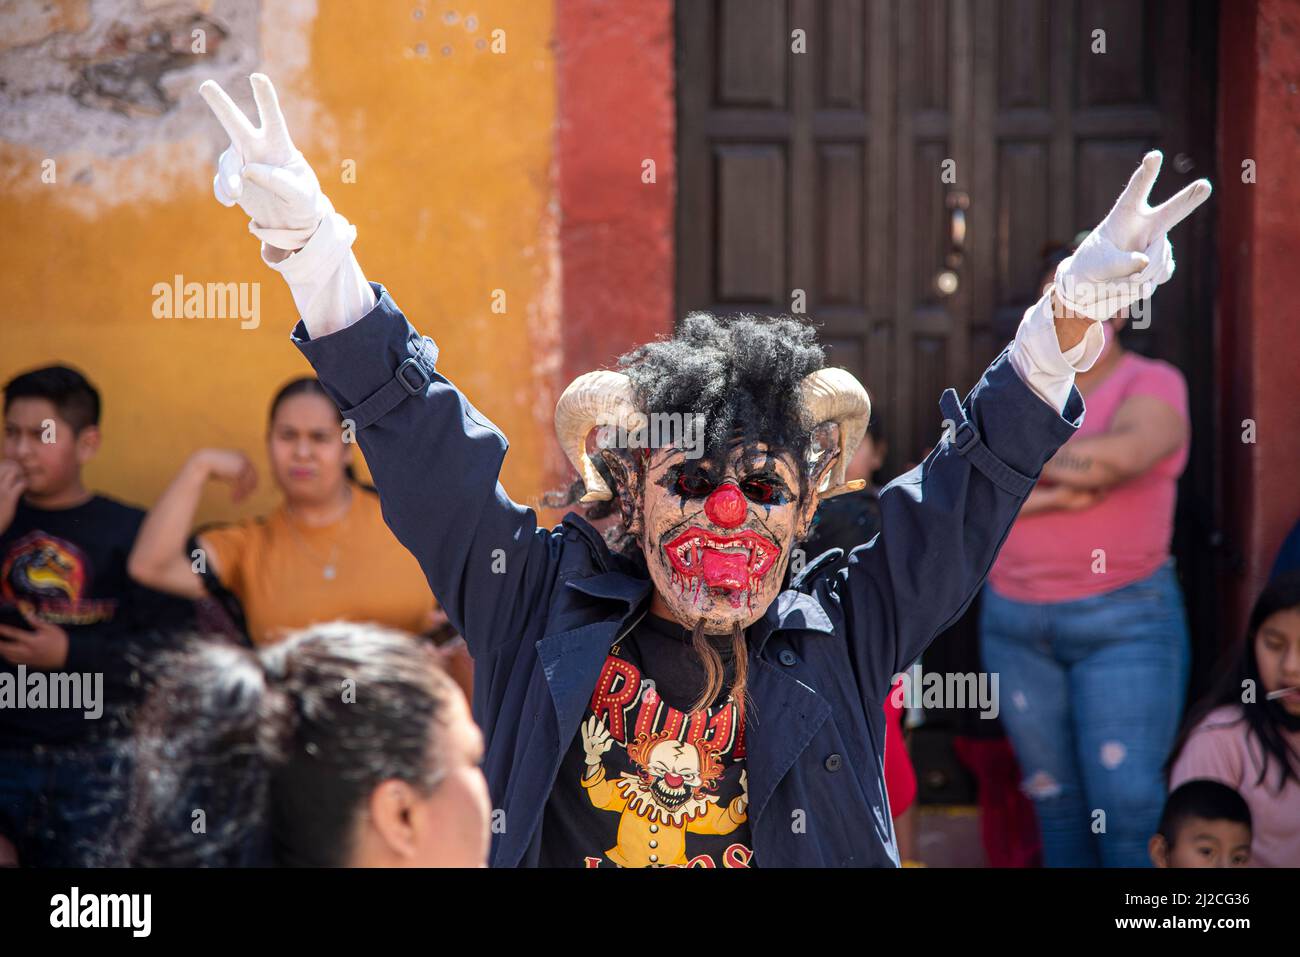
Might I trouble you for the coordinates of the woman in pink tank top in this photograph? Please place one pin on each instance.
(1082, 617)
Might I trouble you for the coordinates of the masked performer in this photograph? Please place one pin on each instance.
(666, 703)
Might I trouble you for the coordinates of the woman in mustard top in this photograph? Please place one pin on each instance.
(324, 553)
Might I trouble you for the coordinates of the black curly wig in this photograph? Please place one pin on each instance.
(741, 373)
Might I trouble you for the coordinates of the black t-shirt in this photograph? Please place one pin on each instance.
(669, 787)
(69, 566)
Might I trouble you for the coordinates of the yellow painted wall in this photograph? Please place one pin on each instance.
(452, 200)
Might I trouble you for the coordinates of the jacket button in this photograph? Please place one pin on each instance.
(787, 657)
(654, 843)
(834, 762)
(654, 858)
(654, 828)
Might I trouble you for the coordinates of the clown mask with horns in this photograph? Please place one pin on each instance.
(717, 523)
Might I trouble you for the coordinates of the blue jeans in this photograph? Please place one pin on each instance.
(57, 804)
(1092, 693)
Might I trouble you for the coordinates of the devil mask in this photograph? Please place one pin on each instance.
(708, 438)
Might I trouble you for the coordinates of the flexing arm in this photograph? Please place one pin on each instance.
(158, 558)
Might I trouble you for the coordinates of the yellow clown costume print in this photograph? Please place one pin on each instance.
(675, 780)
(662, 803)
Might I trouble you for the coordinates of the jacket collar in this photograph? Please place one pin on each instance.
(616, 586)
(792, 611)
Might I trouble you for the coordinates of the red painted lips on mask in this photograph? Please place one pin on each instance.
(721, 561)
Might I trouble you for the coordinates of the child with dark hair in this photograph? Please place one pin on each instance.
(71, 614)
(1246, 731)
(344, 745)
(1205, 824)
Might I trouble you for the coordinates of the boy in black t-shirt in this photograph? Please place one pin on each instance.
(74, 625)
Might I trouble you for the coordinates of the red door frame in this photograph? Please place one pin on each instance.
(1258, 336)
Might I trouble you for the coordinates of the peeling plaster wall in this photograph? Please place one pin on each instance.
(452, 149)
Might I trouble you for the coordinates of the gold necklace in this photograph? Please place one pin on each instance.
(329, 569)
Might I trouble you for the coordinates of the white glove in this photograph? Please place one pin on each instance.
(263, 171)
(741, 804)
(595, 740)
(1128, 254)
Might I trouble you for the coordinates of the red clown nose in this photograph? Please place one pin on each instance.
(726, 506)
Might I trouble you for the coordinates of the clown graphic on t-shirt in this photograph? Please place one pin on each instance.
(669, 796)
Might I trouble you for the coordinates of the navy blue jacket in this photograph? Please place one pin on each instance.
(540, 608)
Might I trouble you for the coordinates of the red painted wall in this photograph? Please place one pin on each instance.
(614, 61)
(1259, 314)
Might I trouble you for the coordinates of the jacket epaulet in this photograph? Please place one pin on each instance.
(803, 581)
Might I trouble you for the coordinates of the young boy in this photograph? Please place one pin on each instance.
(1205, 824)
(71, 623)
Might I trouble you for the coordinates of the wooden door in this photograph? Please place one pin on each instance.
(822, 173)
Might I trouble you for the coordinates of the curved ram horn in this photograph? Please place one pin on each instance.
(595, 399)
(835, 395)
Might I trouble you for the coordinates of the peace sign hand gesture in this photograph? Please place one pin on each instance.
(1128, 254)
(263, 171)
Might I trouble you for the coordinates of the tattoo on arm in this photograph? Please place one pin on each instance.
(1074, 463)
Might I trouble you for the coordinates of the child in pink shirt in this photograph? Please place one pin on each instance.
(1254, 745)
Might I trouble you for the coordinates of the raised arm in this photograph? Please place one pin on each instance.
(158, 559)
(434, 457)
(944, 522)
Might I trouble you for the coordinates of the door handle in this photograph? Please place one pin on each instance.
(947, 280)
(957, 203)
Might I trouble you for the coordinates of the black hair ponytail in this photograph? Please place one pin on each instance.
(206, 742)
(280, 748)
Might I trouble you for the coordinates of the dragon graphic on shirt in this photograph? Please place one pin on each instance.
(679, 759)
(49, 575)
